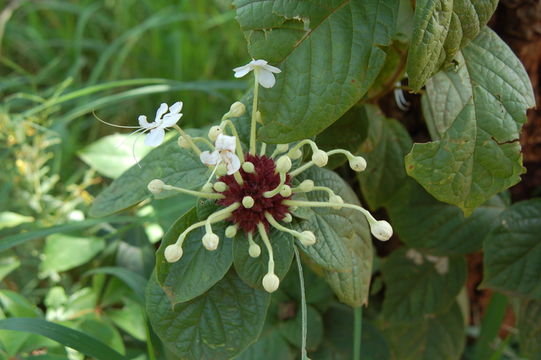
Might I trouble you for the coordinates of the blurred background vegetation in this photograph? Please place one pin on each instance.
(60, 61)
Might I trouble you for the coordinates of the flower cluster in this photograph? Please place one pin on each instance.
(254, 189)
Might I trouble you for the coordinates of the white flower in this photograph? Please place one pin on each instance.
(224, 153)
(263, 70)
(161, 121)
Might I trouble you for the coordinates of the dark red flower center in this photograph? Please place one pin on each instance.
(263, 179)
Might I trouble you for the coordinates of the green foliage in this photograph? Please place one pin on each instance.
(218, 324)
(310, 42)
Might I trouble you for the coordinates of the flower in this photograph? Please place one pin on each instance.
(161, 121)
(224, 152)
(263, 72)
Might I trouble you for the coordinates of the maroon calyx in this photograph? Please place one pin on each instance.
(263, 179)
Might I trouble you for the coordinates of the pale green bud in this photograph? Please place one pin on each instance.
(211, 241)
(286, 191)
(357, 163)
(271, 282)
(248, 202)
(320, 158)
(156, 186)
(254, 250)
(248, 167)
(307, 238)
(220, 186)
(307, 185)
(214, 131)
(237, 109)
(283, 164)
(231, 231)
(183, 143)
(381, 230)
(173, 253)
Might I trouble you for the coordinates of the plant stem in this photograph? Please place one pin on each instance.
(254, 111)
(304, 356)
(490, 326)
(357, 332)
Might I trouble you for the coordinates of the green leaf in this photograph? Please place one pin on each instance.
(17, 305)
(68, 337)
(216, 325)
(113, 154)
(529, 329)
(512, 251)
(417, 285)
(343, 245)
(135, 281)
(7, 265)
(291, 329)
(430, 226)
(252, 270)
(168, 162)
(438, 337)
(198, 269)
(270, 345)
(441, 29)
(103, 332)
(64, 252)
(11, 219)
(329, 52)
(335, 137)
(131, 318)
(384, 150)
(483, 101)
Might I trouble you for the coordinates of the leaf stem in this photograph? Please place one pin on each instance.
(357, 332)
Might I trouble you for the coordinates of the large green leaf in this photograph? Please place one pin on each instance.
(384, 150)
(431, 226)
(198, 269)
(64, 252)
(113, 154)
(72, 338)
(329, 53)
(291, 329)
(417, 287)
(512, 251)
(271, 345)
(343, 245)
(216, 325)
(529, 327)
(252, 269)
(438, 337)
(441, 29)
(168, 162)
(477, 154)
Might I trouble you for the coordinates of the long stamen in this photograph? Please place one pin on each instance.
(280, 148)
(196, 225)
(254, 116)
(203, 140)
(301, 203)
(238, 178)
(357, 163)
(301, 143)
(218, 214)
(307, 238)
(263, 149)
(238, 148)
(254, 250)
(117, 126)
(193, 192)
(270, 280)
(188, 139)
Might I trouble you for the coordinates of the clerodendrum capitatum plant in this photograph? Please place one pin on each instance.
(263, 193)
(257, 204)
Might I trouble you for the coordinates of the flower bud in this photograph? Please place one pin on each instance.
(220, 186)
(320, 158)
(211, 241)
(286, 191)
(258, 117)
(357, 163)
(283, 164)
(156, 186)
(338, 200)
(295, 154)
(183, 143)
(237, 109)
(307, 238)
(173, 253)
(214, 131)
(287, 218)
(282, 148)
(207, 188)
(271, 282)
(381, 230)
(248, 167)
(254, 250)
(306, 185)
(248, 202)
(231, 231)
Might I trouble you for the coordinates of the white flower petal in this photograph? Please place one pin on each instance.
(143, 121)
(161, 110)
(170, 120)
(272, 69)
(242, 70)
(210, 158)
(232, 161)
(266, 78)
(258, 63)
(155, 137)
(176, 107)
(226, 143)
